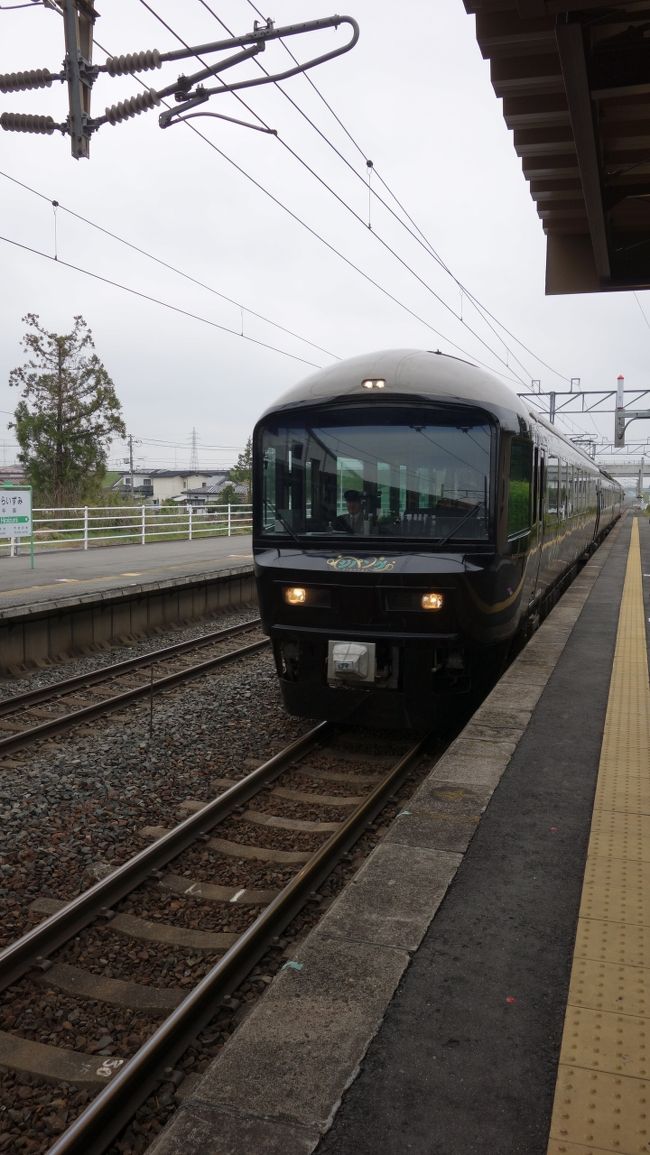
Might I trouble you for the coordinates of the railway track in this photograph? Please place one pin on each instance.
(269, 865)
(41, 713)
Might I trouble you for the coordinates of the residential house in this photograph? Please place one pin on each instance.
(12, 475)
(210, 492)
(157, 486)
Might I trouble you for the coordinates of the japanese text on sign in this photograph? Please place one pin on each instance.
(15, 512)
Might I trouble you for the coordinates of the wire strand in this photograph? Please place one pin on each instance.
(157, 301)
(329, 189)
(419, 236)
(166, 265)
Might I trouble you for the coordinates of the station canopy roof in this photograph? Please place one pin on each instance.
(575, 83)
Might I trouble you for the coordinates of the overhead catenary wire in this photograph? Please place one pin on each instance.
(166, 265)
(332, 248)
(157, 301)
(224, 295)
(357, 216)
(643, 312)
(419, 235)
(225, 327)
(340, 199)
(429, 247)
(309, 229)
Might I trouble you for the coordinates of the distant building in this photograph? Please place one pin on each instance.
(156, 486)
(210, 492)
(12, 475)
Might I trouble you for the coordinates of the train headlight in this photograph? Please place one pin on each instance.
(432, 601)
(295, 595)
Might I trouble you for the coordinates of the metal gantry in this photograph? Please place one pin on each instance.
(594, 401)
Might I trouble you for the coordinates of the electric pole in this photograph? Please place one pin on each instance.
(624, 416)
(78, 20)
(188, 92)
(131, 460)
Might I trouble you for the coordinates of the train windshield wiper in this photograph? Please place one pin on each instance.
(288, 528)
(452, 533)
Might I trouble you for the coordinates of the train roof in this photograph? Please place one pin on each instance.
(417, 373)
(406, 373)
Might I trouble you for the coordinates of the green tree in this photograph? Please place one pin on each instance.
(242, 471)
(68, 413)
(230, 496)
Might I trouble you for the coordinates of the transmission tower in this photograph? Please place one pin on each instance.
(194, 456)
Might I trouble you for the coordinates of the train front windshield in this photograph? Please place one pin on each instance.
(429, 479)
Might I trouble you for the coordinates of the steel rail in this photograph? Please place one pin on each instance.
(56, 930)
(55, 725)
(105, 1117)
(67, 685)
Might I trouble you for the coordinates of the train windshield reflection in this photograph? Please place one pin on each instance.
(428, 480)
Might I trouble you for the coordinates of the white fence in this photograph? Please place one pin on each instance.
(83, 527)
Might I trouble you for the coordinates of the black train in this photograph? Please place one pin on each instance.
(411, 517)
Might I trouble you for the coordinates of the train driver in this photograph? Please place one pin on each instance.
(353, 520)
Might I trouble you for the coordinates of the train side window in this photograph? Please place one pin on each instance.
(562, 489)
(552, 480)
(535, 504)
(520, 486)
(571, 491)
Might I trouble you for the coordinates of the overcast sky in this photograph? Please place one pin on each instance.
(415, 96)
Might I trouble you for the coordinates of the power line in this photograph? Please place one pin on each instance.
(166, 265)
(429, 247)
(303, 223)
(424, 242)
(151, 463)
(184, 444)
(314, 232)
(294, 216)
(643, 313)
(157, 301)
(341, 201)
(335, 194)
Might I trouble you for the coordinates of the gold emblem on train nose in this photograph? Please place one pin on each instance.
(361, 564)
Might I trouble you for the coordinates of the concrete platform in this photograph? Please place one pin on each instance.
(424, 1014)
(77, 601)
(57, 577)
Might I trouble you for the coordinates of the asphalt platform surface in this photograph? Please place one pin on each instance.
(465, 1060)
(56, 576)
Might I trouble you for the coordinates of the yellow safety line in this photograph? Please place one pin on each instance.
(602, 1095)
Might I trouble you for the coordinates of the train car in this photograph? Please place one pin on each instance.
(411, 519)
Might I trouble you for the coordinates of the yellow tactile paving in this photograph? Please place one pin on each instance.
(609, 987)
(619, 1044)
(602, 1096)
(555, 1148)
(620, 835)
(616, 942)
(610, 1111)
(632, 795)
(617, 889)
